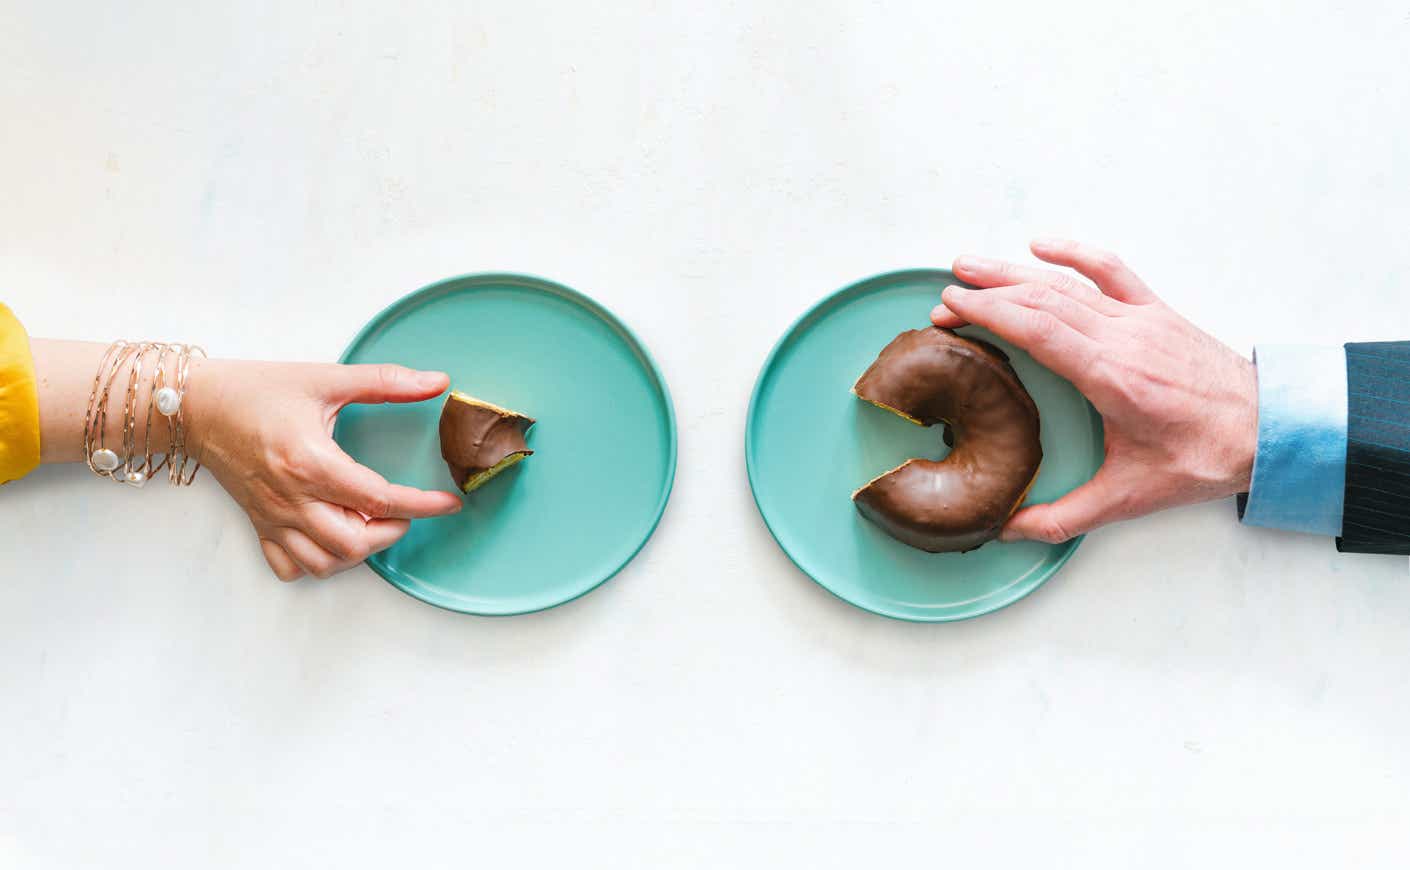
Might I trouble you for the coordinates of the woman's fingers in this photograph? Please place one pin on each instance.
(1051, 341)
(334, 539)
(345, 482)
(383, 382)
(1103, 268)
(312, 558)
(381, 534)
(280, 562)
(349, 537)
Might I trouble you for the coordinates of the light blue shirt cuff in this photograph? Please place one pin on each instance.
(1299, 471)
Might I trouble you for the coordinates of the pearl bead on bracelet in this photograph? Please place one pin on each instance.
(168, 401)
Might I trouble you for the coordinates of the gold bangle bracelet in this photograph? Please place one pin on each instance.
(158, 371)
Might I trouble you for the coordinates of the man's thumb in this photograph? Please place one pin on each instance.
(1078, 512)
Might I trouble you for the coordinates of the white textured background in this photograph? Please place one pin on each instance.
(263, 178)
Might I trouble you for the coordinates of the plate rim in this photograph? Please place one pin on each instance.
(603, 313)
(1069, 546)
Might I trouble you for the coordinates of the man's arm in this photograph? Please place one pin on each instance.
(1312, 439)
(1377, 494)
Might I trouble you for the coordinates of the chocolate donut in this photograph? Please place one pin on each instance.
(934, 376)
(479, 440)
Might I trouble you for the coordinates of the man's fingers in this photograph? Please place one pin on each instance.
(990, 273)
(1086, 507)
(384, 382)
(986, 272)
(1043, 334)
(280, 562)
(1103, 268)
(1042, 297)
(942, 316)
(358, 487)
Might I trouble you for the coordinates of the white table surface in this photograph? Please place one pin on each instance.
(1185, 691)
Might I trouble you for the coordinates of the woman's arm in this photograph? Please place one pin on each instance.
(64, 373)
(264, 430)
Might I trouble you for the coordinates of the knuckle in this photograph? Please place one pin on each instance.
(1145, 393)
(346, 547)
(349, 547)
(1051, 531)
(377, 504)
(1105, 262)
(1041, 326)
(1037, 295)
(326, 566)
(388, 376)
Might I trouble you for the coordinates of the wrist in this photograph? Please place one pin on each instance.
(200, 407)
(1242, 437)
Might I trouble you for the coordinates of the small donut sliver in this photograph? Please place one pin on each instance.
(480, 439)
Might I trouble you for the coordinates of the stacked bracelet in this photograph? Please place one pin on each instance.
(159, 371)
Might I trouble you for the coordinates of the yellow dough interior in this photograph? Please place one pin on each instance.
(480, 478)
(471, 400)
(885, 407)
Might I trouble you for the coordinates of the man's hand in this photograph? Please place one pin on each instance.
(1180, 409)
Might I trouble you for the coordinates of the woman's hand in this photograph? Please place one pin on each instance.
(1180, 409)
(264, 430)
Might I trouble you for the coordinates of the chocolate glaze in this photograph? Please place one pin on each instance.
(477, 436)
(934, 376)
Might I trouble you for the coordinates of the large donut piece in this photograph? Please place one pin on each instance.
(934, 376)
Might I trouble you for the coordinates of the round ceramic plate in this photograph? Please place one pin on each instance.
(566, 518)
(809, 443)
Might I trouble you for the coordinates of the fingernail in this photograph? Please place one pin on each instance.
(969, 263)
(954, 291)
(1009, 535)
(434, 379)
(939, 312)
(1046, 242)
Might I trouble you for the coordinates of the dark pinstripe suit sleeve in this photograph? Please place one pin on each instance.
(1376, 517)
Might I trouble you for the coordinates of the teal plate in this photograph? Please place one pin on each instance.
(564, 520)
(809, 443)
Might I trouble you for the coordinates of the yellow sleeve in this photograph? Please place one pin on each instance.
(19, 401)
